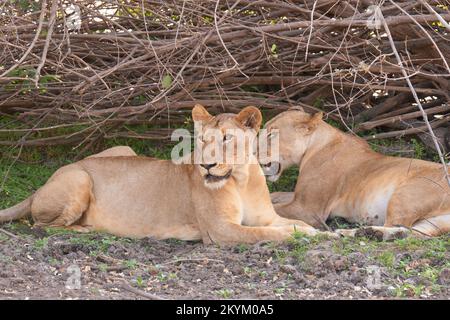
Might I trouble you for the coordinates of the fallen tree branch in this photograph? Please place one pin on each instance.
(141, 293)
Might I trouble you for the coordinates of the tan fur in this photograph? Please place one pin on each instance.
(126, 195)
(118, 151)
(341, 176)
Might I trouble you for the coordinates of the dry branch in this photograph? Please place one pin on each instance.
(99, 65)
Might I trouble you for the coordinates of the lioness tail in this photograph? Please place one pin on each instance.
(20, 210)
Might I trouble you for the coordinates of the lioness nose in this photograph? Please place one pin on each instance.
(208, 166)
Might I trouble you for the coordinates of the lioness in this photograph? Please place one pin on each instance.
(340, 176)
(138, 196)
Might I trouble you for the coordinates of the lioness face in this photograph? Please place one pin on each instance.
(224, 143)
(293, 129)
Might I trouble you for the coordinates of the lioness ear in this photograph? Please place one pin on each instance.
(296, 108)
(250, 117)
(312, 123)
(315, 119)
(199, 113)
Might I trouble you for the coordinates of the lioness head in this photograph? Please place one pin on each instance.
(224, 143)
(293, 129)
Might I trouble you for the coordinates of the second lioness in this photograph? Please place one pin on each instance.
(341, 176)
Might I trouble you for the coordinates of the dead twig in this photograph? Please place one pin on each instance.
(141, 293)
(9, 234)
(191, 260)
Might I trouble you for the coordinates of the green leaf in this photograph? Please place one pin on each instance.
(273, 49)
(48, 78)
(166, 81)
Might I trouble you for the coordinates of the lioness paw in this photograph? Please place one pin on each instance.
(346, 232)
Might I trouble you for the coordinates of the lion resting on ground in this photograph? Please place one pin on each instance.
(126, 195)
(340, 176)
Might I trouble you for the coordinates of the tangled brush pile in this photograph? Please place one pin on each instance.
(74, 72)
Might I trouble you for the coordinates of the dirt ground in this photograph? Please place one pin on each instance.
(57, 264)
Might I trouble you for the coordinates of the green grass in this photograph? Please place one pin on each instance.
(140, 282)
(248, 271)
(103, 267)
(387, 259)
(286, 182)
(98, 243)
(403, 147)
(242, 247)
(130, 264)
(53, 261)
(279, 291)
(341, 223)
(433, 248)
(409, 290)
(346, 246)
(419, 149)
(224, 293)
(41, 243)
(20, 180)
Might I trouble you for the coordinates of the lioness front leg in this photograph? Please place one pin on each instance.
(429, 227)
(232, 233)
(302, 227)
(79, 228)
(376, 232)
(293, 210)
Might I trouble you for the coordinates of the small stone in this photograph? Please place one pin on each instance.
(287, 268)
(356, 276)
(340, 264)
(444, 277)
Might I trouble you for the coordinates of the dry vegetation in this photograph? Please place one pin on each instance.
(75, 72)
